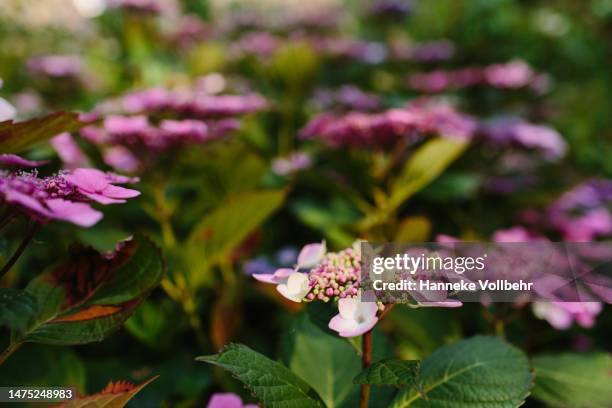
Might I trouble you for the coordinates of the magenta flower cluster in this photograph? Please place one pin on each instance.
(65, 196)
(386, 128)
(347, 97)
(55, 66)
(584, 213)
(515, 74)
(131, 134)
(187, 103)
(514, 132)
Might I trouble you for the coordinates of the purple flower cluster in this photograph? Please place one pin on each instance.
(585, 212)
(387, 128)
(346, 97)
(336, 277)
(516, 132)
(55, 66)
(192, 104)
(65, 196)
(131, 134)
(515, 74)
(430, 51)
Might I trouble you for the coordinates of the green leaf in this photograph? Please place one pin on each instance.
(413, 229)
(90, 296)
(18, 308)
(16, 137)
(423, 167)
(398, 373)
(573, 380)
(220, 232)
(478, 372)
(331, 372)
(271, 382)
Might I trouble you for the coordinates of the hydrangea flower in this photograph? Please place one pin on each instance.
(55, 66)
(419, 118)
(516, 132)
(585, 212)
(98, 186)
(7, 111)
(69, 151)
(346, 97)
(65, 196)
(561, 315)
(515, 74)
(228, 400)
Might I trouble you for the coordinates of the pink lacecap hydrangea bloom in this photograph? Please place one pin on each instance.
(65, 196)
(583, 213)
(386, 128)
(228, 400)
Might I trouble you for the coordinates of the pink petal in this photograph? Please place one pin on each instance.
(265, 277)
(348, 307)
(68, 150)
(15, 161)
(119, 192)
(360, 329)
(311, 255)
(225, 400)
(30, 203)
(92, 180)
(101, 198)
(339, 324)
(77, 213)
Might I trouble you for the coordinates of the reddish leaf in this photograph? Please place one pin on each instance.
(114, 395)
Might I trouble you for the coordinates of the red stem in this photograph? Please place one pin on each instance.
(366, 360)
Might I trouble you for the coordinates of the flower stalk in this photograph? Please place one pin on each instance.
(366, 361)
(11, 262)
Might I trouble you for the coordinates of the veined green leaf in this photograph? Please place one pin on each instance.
(271, 382)
(332, 371)
(573, 380)
(18, 136)
(17, 308)
(398, 373)
(479, 372)
(91, 295)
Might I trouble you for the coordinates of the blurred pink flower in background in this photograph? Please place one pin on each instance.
(417, 119)
(561, 315)
(69, 151)
(516, 132)
(228, 400)
(55, 66)
(584, 212)
(284, 166)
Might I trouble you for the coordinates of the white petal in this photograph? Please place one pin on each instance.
(348, 308)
